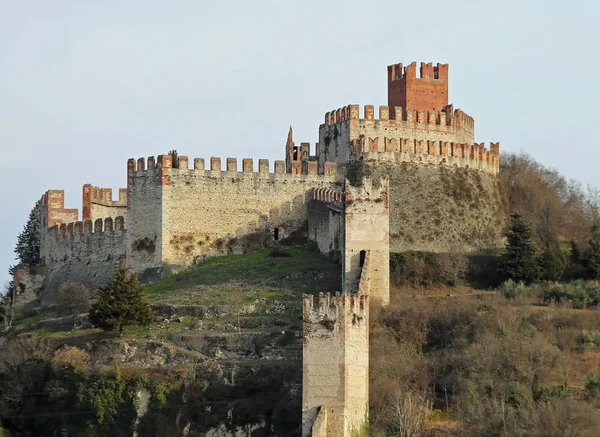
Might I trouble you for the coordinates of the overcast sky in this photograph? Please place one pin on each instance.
(84, 85)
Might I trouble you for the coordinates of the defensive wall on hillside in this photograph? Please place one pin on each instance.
(172, 216)
(179, 214)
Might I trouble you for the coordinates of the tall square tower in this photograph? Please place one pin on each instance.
(429, 92)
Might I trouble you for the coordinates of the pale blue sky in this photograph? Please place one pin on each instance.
(84, 85)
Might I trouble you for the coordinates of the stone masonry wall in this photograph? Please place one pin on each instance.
(336, 362)
(367, 233)
(144, 223)
(28, 282)
(413, 132)
(215, 211)
(78, 253)
(97, 203)
(326, 222)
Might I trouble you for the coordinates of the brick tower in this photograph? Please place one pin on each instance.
(429, 92)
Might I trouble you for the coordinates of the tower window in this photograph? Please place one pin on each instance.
(363, 255)
(276, 234)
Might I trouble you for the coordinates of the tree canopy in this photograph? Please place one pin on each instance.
(121, 303)
(28, 241)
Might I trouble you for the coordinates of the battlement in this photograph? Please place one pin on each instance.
(103, 196)
(54, 211)
(396, 72)
(215, 167)
(427, 92)
(329, 307)
(447, 117)
(470, 155)
(97, 202)
(87, 227)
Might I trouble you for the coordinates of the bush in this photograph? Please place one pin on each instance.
(511, 289)
(579, 294)
(592, 385)
(72, 357)
(588, 339)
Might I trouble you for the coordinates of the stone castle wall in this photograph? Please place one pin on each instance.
(82, 252)
(336, 362)
(413, 132)
(367, 231)
(326, 222)
(97, 203)
(213, 211)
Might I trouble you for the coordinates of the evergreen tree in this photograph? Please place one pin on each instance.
(593, 256)
(520, 261)
(552, 264)
(121, 303)
(28, 241)
(174, 158)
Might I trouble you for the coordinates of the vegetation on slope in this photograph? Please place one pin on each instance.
(484, 366)
(218, 358)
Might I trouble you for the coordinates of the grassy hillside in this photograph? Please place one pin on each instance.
(244, 279)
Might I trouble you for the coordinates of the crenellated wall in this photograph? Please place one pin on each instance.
(87, 252)
(349, 224)
(410, 136)
(97, 203)
(188, 212)
(429, 91)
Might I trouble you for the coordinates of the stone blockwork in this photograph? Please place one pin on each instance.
(28, 282)
(442, 137)
(335, 374)
(82, 253)
(97, 203)
(221, 211)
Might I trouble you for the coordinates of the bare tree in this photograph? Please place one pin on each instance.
(410, 411)
(73, 299)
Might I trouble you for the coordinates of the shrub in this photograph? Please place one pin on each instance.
(588, 339)
(592, 385)
(73, 357)
(578, 293)
(511, 289)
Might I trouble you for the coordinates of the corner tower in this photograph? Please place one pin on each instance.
(429, 92)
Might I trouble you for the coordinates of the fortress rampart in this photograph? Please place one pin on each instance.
(436, 137)
(86, 252)
(223, 210)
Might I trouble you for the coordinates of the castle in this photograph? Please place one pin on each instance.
(411, 179)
